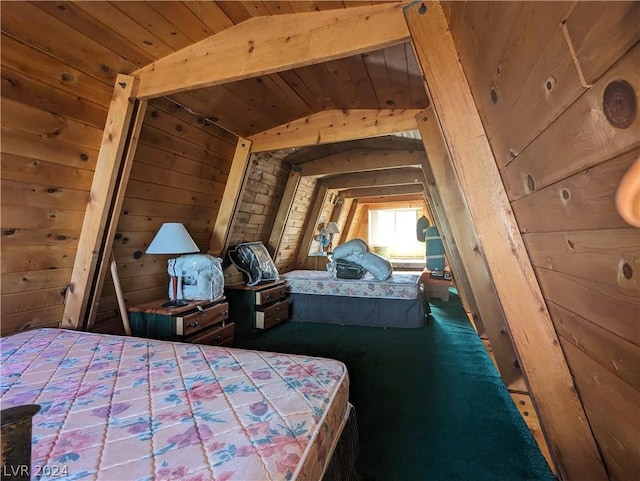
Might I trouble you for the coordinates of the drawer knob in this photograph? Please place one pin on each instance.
(267, 296)
(218, 338)
(193, 324)
(224, 313)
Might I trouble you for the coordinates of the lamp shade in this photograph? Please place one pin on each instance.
(332, 228)
(172, 238)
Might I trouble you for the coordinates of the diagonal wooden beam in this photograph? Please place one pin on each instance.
(360, 160)
(312, 223)
(562, 415)
(99, 206)
(388, 177)
(455, 218)
(389, 191)
(230, 199)
(286, 202)
(107, 261)
(331, 126)
(269, 44)
(452, 252)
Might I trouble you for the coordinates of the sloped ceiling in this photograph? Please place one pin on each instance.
(138, 33)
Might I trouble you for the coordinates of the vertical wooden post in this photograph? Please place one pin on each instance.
(563, 418)
(231, 198)
(283, 211)
(99, 207)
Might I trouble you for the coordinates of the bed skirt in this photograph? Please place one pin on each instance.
(342, 466)
(358, 311)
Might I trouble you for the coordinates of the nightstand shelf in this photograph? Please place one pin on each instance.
(254, 309)
(201, 322)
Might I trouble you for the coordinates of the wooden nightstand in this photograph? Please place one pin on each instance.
(256, 308)
(199, 322)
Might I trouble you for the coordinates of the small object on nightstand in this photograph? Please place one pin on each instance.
(199, 322)
(254, 309)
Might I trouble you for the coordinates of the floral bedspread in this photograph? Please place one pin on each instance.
(125, 408)
(398, 286)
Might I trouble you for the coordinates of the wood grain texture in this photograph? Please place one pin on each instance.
(610, 405)
(570, 438)
(45, 68)
(313, 218)
(279, 226)
(269, 44)
(593, 301)
(616, 354)
(382, 191)
(580, 138)
(607, 256)
(386, 177)
(331, 126)
(601, 33)
(102, 191)
(464, 246)
(232, 194)
(581, 202)
(359, 160)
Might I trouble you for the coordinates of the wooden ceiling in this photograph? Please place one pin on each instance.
(137, 33)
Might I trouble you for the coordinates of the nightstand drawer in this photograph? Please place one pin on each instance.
(270, 295)
(191, 323)
(222, 336)
(272, 315)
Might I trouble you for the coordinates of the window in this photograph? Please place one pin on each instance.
(392, 233)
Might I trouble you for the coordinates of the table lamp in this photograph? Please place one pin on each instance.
(173, 238)
(332, 228)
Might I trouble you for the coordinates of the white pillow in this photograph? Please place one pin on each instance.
(378, 266)
(350, 248)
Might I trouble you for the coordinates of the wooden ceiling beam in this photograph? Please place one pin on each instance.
(270, 44)
(359, 160)
(388, 191)
(388, 177)
(331, 126)
(392, 200)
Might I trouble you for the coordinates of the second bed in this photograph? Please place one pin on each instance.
(316, 296)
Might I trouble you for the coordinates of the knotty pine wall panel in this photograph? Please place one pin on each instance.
(179, 174)
(265, 183)
(561, 160)
(50, 141)
(296, 224)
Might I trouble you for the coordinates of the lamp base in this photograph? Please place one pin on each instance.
(175, 303)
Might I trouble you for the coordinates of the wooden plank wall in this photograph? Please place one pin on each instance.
(324, 217)
(179, 173)
(561, 160)
(54, 106)
(266, 180)
(295, 226)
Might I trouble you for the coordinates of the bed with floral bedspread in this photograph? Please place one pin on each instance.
(318, 296)
(125, 408)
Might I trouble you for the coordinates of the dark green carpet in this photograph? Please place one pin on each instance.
(429, 402)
